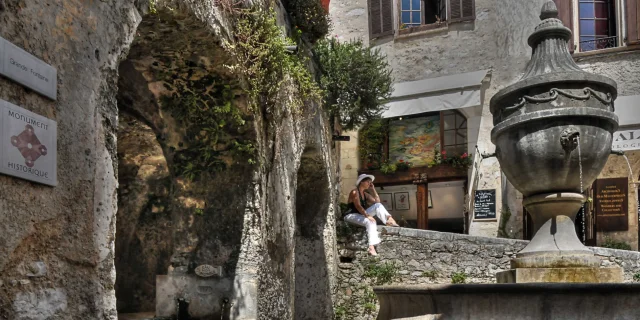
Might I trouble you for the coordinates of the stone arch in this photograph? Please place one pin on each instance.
(180, 218)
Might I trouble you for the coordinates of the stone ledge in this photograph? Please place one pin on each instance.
(561, 275)
(445, 236)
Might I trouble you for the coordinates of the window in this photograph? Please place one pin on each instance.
(597, 26)
(415, 15)
(454, 133)
(600, 24)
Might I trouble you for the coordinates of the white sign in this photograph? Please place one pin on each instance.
(28, 145)
(22, 67)
(626, 139)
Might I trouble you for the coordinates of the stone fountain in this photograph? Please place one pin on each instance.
(553, 132)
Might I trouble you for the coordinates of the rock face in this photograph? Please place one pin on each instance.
(124, 75)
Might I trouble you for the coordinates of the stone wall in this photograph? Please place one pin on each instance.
(495, 40)
(423, 257)
(58, 243)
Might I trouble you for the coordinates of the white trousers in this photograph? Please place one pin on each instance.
(376, 210)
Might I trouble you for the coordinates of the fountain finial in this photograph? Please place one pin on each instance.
(549, 11)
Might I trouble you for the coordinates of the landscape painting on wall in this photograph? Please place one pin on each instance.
(413, 140)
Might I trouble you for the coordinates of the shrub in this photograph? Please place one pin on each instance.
(381, 273)
(431, 274)
(310, 20)
(636, 277)
(458, 277)
(371, 139)
(613, 244)
(356, 80)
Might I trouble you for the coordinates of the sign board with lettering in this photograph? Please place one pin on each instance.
(611, 204)
(28, 145)
(626, 139)
(27, 70)
(484, 204)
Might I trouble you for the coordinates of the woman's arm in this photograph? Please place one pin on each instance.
(353, 196)
(374, 197)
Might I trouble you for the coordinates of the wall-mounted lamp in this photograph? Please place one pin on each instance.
(400, 118)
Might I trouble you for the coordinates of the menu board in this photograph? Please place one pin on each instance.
(611, 204)
(484, 204)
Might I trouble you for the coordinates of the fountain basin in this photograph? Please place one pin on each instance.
(531, 154)
(529, 301)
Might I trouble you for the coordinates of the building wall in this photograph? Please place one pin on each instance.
(496, 40)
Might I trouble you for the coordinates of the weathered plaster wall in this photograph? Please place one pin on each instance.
(70, 230)
(496, 40)
(423, 257)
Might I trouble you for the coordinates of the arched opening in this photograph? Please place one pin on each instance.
(184, 170)
(313, 199)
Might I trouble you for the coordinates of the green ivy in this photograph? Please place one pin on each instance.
(356, 80)
(266, 65)
(206, 108)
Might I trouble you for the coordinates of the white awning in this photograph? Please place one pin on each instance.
(627, 108)
(435, 94)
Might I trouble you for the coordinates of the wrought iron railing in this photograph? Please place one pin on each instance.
(598, 44)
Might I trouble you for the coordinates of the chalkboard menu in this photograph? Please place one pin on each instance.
(611, 204)
(484, 204)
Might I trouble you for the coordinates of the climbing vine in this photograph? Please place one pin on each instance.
(371, 139)
(207, 108)
(267, 66)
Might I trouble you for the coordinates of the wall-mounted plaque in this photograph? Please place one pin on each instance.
(611, 204)
(28, 145)
(484, 204)
(401, 201)
(385, 200)
(27, 70)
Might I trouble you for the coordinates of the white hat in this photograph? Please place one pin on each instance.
(364, 176)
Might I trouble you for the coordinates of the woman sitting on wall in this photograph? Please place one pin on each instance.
(357, 214)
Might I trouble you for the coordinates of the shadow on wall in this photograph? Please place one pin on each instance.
(183, 187)
(313, 198)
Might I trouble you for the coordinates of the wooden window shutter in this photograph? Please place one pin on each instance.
(461, 10)
(565, 14)
(380, 18)
(633, 22)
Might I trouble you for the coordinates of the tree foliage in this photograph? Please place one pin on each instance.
(356, 80)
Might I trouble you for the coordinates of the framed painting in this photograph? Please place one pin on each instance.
(386, 199)
(414, 140)
(401, 200)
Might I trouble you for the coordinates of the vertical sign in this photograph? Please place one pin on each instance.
(611, 204)
(484, 204)
(27, 70)
(28, 145)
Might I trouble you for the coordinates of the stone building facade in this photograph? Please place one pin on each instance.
(123, 218)
(492, 35)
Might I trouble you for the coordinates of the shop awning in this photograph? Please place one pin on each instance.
(435, 94)
(628, 110)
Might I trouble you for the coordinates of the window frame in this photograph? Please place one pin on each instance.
(618, 16)
(422, 26)
(465, 122)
